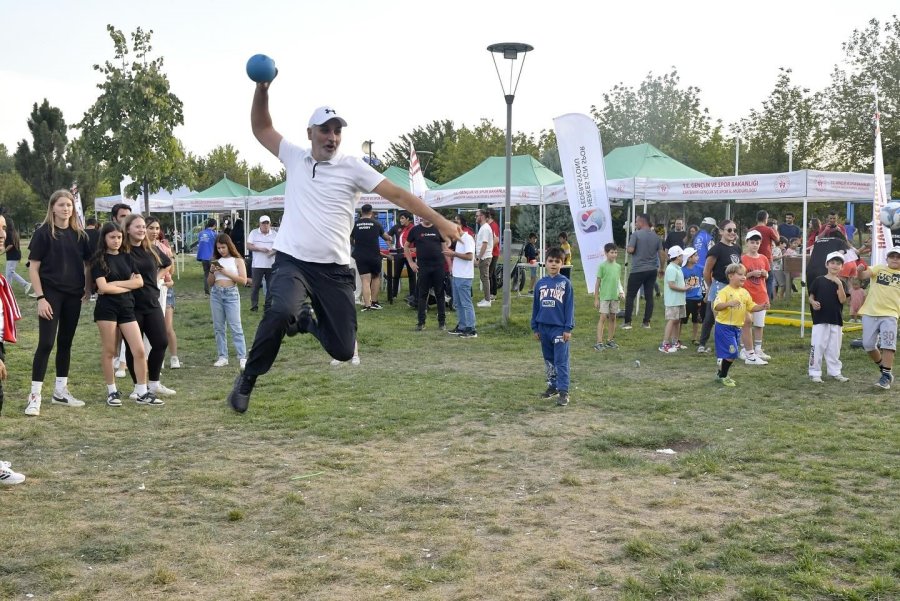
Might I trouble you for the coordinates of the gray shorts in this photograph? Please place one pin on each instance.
(609, 307)
(676, 312)
(880, 332)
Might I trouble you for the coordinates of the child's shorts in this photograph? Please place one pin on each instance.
(879, 332)
(758, 319)
(170, 298)
(694, 310)
(728, 341)
(676, 312)
(609, 307)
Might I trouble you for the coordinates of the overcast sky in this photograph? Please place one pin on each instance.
(393, 65)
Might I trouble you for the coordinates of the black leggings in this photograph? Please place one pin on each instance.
(66, 311)
(153, 326)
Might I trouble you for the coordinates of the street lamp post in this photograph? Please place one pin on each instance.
(509, 51)
(367, 149)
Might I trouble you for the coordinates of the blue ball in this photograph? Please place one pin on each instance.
(261, 68)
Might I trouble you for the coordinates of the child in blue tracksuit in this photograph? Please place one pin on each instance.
(552, 321)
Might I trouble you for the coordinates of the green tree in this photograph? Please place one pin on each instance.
(872, 56)
(430, 138)
(88, 174)
(225, 161)
(17, 199)
(130, 125)
(469, 147)
(662, 113)
(788, 112)
(43, 163)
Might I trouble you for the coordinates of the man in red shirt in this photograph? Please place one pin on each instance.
(495, 252)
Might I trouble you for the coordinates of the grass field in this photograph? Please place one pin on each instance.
(434, 471)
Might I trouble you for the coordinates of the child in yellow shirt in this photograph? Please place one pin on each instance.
(731, 305)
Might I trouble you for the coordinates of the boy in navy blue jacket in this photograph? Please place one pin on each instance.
(552, 321)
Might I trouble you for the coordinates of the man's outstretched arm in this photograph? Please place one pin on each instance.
(261, 120)
(414, 204)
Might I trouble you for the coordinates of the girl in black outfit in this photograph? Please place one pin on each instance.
(58, 267)
(116, 277)
(13, 255)
(147, 310)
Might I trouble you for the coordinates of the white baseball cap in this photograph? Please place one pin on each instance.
(753, 234)
(324, 114)
(675, 251)
(265, 219)
(838, 254)
(688, 252)
(709, 221)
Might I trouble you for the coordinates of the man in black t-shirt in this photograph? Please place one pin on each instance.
(367, 254)
(431, 267)
(676, 235)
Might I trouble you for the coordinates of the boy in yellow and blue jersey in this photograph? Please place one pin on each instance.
(732, 304)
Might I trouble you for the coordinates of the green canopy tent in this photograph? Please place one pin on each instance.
(646, 161)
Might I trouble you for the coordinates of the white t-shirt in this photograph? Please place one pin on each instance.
(228, 264)
(485, 234)
(461, 267)
(262, 260)
(319, 203)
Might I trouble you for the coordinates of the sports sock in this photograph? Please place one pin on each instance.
(36, 387)
(140, 389)
(111, 388)
(60, 384)
(726, 365)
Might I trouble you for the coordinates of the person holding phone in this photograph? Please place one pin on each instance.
(227, 271)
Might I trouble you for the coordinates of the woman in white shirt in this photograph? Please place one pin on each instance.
(227, 272)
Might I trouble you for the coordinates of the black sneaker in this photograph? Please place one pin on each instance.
(563, 399)
(442, 327)
(239, 397)
(376, 305)
(549, 393)
(254, 309)
(455, 331)
(114, 399)
(149, 399)
(469, 333)
(367, 308)
(420, 327)
(303, 321)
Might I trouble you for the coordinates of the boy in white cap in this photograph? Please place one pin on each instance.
(674, 297)
(757, 266)
(826, 299)
(880, 312)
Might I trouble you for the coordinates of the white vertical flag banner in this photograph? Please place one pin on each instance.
(79, 210)
(417, 183)
(581, 157)
(882, 241)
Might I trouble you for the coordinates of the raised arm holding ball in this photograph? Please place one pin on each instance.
(311, 270)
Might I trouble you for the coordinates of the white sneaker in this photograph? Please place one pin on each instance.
(163, 390)
(763, 355)
(221, 362)
(121, 373)
(133, 396)
(243, 363)
(64, 397)
(174, 363)
(336, 363)
(34, 405)
(354, 360)
(754, 359)
(8, 476)
(742, 354)
(484, 303)
(841, 378)
(816, 379)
